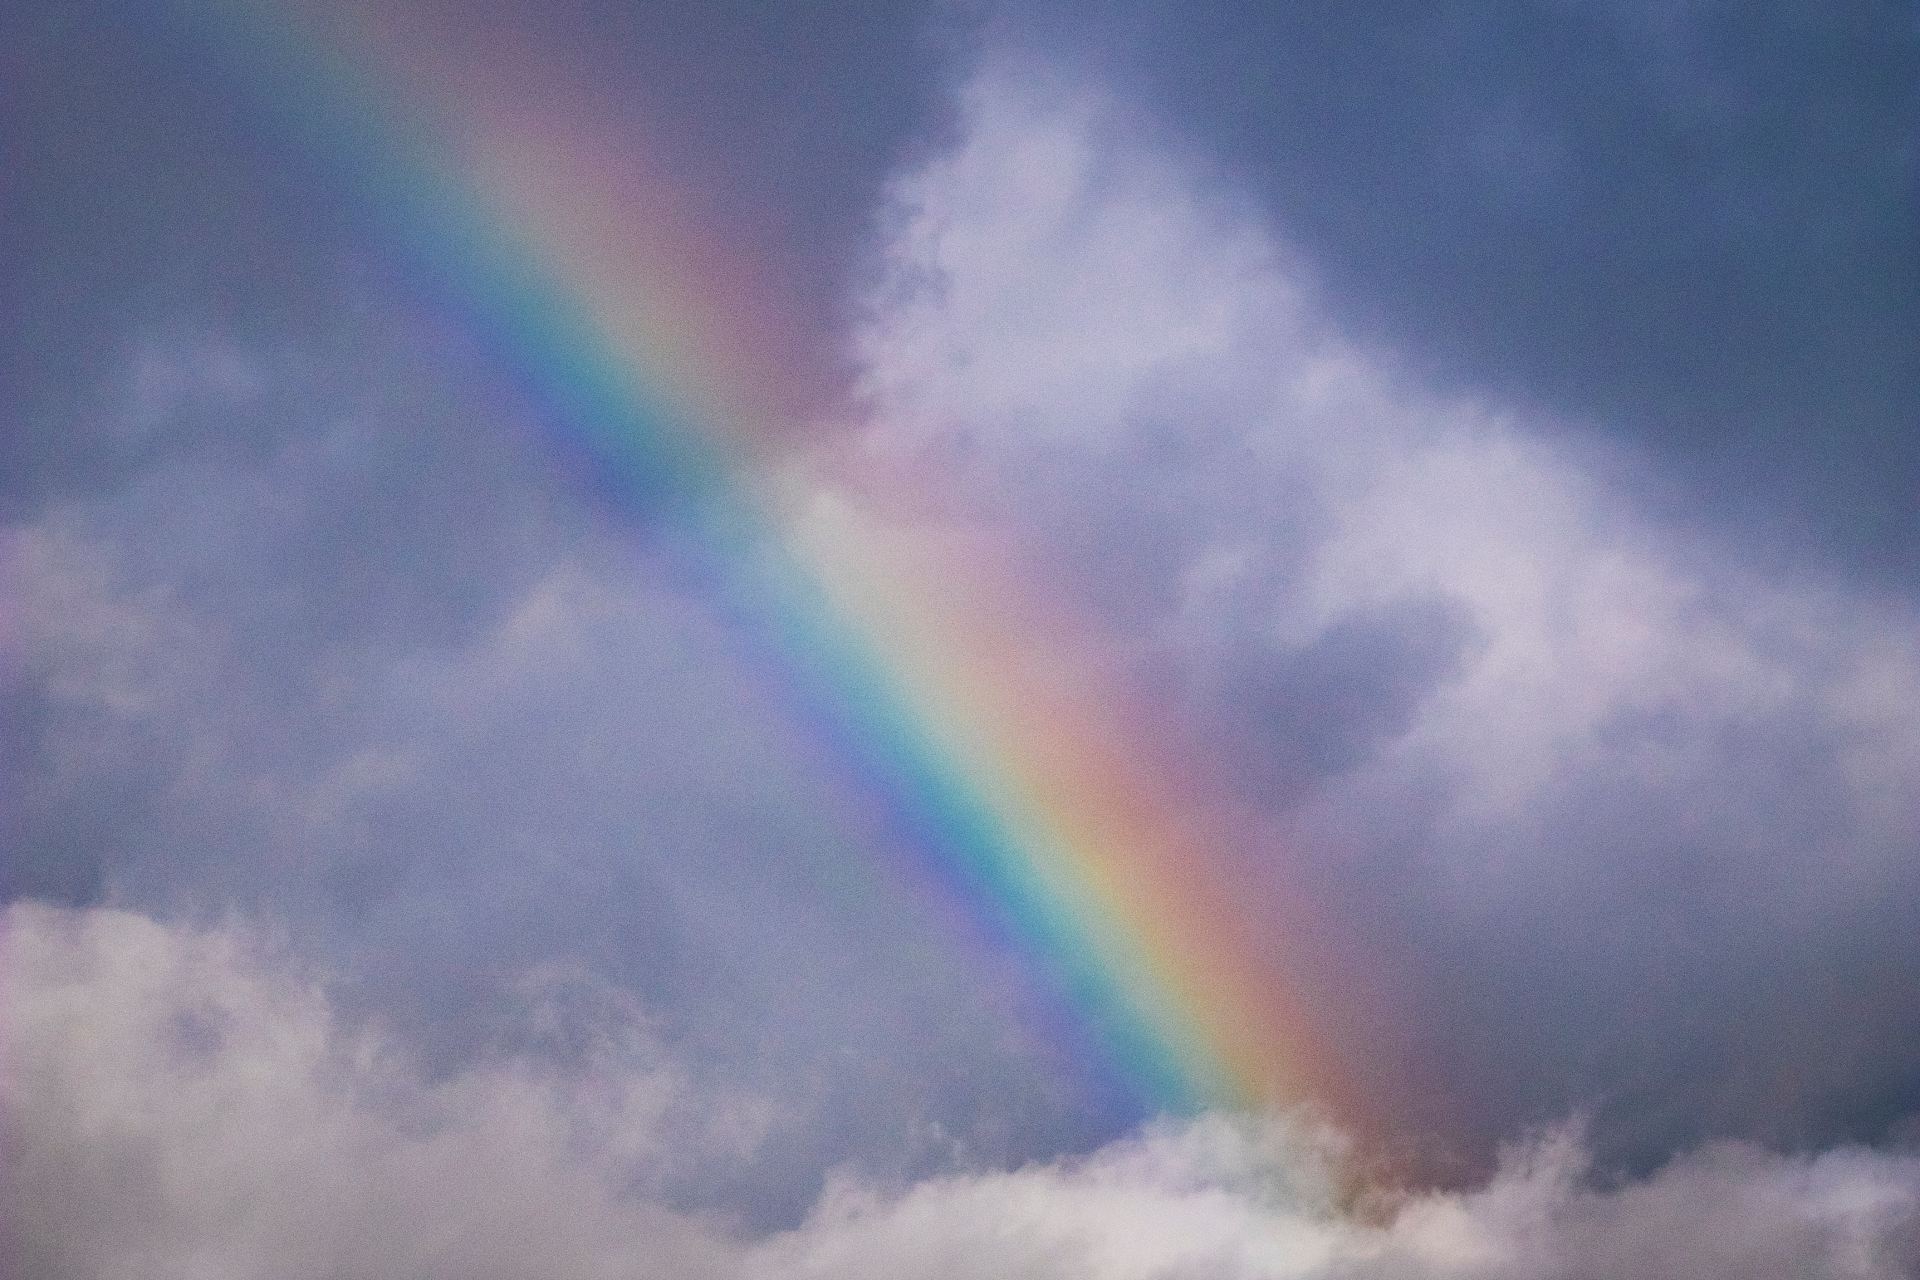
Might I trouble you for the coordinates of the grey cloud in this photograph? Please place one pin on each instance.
(150, 184)
(445, 737)
(1319, 709)
(273, 517)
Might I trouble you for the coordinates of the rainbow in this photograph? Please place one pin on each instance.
(947, 688)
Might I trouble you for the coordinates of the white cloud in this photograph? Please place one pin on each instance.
(180, 1103)
(1167, 1205)
(1096, 334)
(1034, 290)
(177, 1105)
(1584, 778)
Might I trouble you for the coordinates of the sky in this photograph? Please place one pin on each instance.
(1110, 640)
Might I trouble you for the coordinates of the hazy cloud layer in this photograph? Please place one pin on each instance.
(352, 650)
(178, 1103)
(589, 776)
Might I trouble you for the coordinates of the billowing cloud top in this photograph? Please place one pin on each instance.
(179, 1103)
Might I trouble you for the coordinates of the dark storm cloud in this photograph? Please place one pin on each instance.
(790, 117)
(1692, 225)
(151, 184)
(129, 207)
(1718, 943)
(318, 622)
(1308, 712)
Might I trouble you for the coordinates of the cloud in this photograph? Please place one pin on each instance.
(177, 1105)
(1621, 813)
(1686, 225)
(1615, 787)
(182, 1101)
(575, 765)
(1235, 1200)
